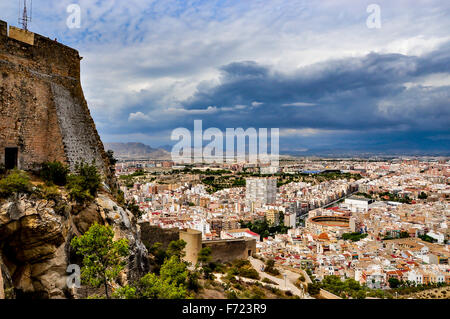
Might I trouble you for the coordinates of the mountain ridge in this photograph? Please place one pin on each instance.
(136, 150)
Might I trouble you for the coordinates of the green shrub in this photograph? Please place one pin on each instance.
(274, 290)
(91, 179)
(231, 294)
(103, 257)
(268, 281)
(170, 284)
(120, 198)
(76, 190)
(353, 236)
(230, 277)
(55, 173)
(243, 267)
(314, 289)
(126, 292)
(192, 282)
(16, 182)
(48, 192)
(112, 159)
(257, 293)
(270, 268)
(239, 263)
(238, 286)
(134, 209)
(84, 185)
(249, 273)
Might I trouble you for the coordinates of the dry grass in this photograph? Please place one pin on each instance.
(435, 293)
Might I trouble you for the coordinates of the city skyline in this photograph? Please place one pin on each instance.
(317, 72)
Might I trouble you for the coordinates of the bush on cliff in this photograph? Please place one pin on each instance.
(54, 173)
(103, 257)
(204, 261)
(76, 190)
(84, 185)
(48, 192)
(171, 283)
(134, 209)
(16, 182)
(91, 179)
(160, 254)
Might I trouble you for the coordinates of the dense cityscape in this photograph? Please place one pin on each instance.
(379, 222)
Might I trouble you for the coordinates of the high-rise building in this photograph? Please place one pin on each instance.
(273, 217)
(290, 219)
(263, 190)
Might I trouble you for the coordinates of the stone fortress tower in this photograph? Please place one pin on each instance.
(43, 113)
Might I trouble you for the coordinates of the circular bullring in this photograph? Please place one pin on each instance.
(331, 221)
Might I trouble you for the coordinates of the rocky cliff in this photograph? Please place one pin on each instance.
(35, 237)
(44, 117)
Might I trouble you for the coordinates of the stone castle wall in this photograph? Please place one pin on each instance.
(43, 111)
(151, 235)
(221, 250)
(229, 250)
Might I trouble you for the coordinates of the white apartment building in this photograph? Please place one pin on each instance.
(263, 190)
(416, 277)
(201, 225)
(290, 219)
(438, 236)
(357, 205)
(269, 170)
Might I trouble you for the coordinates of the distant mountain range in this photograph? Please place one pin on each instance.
(137, 151)
(143, 151)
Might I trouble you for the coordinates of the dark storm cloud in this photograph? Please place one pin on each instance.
(347, 94)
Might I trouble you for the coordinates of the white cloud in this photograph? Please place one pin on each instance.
(138, 116)
(179, 111)
(256, 104)
(299, 104)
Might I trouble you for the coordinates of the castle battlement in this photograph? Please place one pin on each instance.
(58, 59)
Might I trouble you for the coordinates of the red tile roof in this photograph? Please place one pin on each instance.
(251, 233)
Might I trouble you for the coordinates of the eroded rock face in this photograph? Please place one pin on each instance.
(2, 289)
(35, 240)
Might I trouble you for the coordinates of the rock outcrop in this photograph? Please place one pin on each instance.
(2, 290)
(35, 237)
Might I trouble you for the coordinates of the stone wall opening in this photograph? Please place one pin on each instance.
(11, 157)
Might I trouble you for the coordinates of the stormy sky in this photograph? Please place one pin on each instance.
(313, 69)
